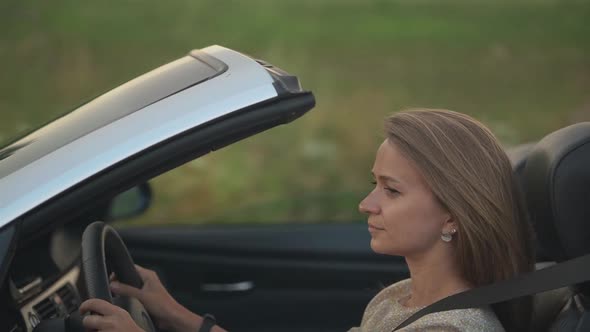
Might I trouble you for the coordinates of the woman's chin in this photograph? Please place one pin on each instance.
(378, 247)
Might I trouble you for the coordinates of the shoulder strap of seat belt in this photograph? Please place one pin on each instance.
(571, 272)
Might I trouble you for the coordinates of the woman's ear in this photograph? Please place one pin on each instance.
(449, 226)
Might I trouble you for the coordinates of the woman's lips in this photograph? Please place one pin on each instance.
(375, 228)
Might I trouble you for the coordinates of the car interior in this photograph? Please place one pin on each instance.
(287, 277)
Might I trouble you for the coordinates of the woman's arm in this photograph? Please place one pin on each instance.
(167, 313)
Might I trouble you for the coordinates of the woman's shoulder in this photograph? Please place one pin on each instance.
(384, 312)
(473, 319)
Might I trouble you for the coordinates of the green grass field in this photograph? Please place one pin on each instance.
(522, 67)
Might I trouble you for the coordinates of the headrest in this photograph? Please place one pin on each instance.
(557, 190)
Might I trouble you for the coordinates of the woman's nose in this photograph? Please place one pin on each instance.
(368, 206)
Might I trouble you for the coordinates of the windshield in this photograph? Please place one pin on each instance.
(115, 104)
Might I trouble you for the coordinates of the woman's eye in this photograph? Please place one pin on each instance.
(373, 182)
(391, 191)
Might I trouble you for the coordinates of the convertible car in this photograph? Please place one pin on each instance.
(58, 184)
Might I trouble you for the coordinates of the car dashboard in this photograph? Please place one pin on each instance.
(43, 282)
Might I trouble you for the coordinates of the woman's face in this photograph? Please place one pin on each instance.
(404, 216)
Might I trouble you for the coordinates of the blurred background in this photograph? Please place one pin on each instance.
(521, 67)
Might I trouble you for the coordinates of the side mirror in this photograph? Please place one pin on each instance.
(131, 203)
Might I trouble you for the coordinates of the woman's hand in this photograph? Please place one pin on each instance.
(107, 317)
(167, 313)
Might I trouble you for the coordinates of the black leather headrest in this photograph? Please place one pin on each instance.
(557, 190)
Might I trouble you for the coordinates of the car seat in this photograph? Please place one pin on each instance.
(556, 185)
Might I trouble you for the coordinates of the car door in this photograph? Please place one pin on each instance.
(281, 277)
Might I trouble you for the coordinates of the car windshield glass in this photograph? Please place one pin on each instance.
(99, 112)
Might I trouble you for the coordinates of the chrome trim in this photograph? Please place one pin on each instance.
(23, 290)
(242, 286)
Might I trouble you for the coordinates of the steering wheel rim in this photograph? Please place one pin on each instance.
(101, 244)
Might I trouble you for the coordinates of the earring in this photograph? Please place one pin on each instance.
(447, 237)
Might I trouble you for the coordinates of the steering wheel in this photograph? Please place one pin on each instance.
(102, 246)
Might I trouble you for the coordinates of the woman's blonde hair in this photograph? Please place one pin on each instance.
(471, 176)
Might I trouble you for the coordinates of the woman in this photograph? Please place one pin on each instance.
(446, 199)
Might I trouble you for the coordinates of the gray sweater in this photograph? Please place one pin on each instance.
(385, 312)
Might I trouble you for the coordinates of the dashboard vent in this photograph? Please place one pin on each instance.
(59, 304)
(46, 309)
(69, 298)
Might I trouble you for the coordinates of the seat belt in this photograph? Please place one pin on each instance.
(571, 272)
